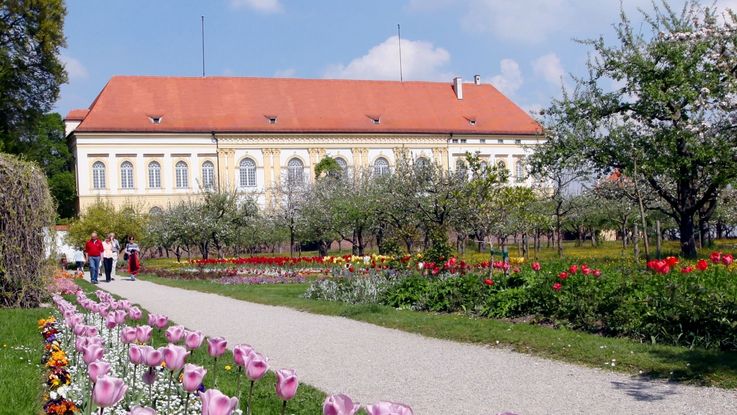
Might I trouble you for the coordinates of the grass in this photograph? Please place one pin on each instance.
(696, 366)
(307, 401)
(20, 370)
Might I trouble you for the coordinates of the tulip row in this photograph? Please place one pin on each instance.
(664, 266)
(110, 353)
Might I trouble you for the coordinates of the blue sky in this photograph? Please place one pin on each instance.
(524, 47)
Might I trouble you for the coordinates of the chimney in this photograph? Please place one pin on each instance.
(458, 87)
(477, 79)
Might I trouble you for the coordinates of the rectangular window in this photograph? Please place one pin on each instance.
(517, 141)
(482, 140)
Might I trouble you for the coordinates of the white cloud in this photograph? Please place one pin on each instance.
(75, 69)
(529, 21)
(549, 67)
(420, 61)
(264, 6)
(509, 80)
(285, 73)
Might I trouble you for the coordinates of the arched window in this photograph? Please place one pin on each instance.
(126, 175)
(208, 175)
(247, 173)
(503, 172)
(295, 171)
(342, 163)
(520, 171)
(381, 166)
(422, 162)
(155, 211)
(182, 179)
(98, 175)
(154, 175)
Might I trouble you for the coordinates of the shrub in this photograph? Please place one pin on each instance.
(357, 289)
(26, 213)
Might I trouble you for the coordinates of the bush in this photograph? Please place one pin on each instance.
(26, 214)
(369, 289)
(102, 217)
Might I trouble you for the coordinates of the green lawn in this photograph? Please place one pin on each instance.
(308, 400)
(20, 371)
(697, 366)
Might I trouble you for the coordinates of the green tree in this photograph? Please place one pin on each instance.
(31, 35)
(669, 116)
(102, 217)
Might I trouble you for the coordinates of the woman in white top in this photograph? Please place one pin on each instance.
(107, 257)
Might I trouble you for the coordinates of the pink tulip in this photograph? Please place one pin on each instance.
(216, 346)
(128, 334)
(125, 304)
(151, 319)
(241, 354)
(135, 355)
(97, 369)
(152, 357)
(535, 266)
(215, 403)
(110, 321)
(257, 366)
(143, 333)
(388, 408)
(193, 339)
(120, 316)
(174, 334)
(174, 356)
(108, 391)
(727, 259)
(149, 376)
(92, 352)
(286, 383)
(135, 313)
(140, 410)
(161, 321)
(90, 331)
(79, 329)
(339, 405)
(192, 378)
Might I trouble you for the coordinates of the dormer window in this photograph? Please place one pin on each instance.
(376, 121)
(375, 118)
(472, 122)
(271, 119)
(155, 119)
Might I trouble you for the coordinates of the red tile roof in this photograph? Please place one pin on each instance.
(226, 104)
(77, 115)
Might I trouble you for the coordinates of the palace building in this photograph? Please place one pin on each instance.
(153, 141)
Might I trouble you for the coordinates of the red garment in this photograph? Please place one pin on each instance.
(134, 264)
(93, 248)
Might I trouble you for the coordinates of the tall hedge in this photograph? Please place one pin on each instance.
(26, 212)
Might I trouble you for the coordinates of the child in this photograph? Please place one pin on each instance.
(79, 259)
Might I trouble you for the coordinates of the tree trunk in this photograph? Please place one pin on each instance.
(636, 242)
(688, 240)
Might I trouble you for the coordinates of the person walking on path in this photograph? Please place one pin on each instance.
(92, 251)
(116, 254)
(107, 257)
(79, 259)
(132, 251)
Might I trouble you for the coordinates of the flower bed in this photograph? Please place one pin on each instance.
(668, 301)
(102, 360)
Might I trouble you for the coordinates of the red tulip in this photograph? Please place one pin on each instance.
(563, 275)
(108, 391)
(215, 403)
(671, 261)
(339, 405)
(488, 282)
(535, 266)
(702, 265)
(573, 269)
(687, 270)
(716, 257)
(216, 346)
(597, 273)
(286, 383)
(557, 286)
(192, 377)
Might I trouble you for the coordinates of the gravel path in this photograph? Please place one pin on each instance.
(370, 363)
